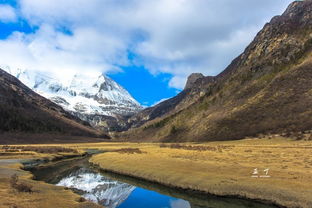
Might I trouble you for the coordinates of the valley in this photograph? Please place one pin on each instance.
(239, 139)
(204, 170)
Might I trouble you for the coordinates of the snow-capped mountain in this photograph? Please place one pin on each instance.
(94, 98)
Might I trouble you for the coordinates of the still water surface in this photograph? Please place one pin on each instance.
(115, 191)
(112, 194)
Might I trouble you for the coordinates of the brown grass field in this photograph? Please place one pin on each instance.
(221, 168)
(42, 195)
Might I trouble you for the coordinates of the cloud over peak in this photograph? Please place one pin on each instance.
(166, 36)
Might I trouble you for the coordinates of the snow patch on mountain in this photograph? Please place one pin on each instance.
(82, 94)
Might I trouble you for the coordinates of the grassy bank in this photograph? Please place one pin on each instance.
(221, 168)
(27, 193)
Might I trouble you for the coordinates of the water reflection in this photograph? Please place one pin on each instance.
(98, 188)
(110, 191)
(143, 198)
(179, 203)
(102, 190)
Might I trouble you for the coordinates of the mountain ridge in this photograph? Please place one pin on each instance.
(241, 101)
(28, 117)
(94, 98)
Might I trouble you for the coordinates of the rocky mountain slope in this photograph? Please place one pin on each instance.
(94, 98)
(28, 117)
(267, 89)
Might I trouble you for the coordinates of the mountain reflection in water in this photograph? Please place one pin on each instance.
(110, 193)
(117, 191)
(98, 188)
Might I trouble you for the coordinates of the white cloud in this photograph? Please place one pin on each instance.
(168, 36)
(179, 203)
(51, 51)
(7, 13)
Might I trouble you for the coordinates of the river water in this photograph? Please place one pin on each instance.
(115, 191)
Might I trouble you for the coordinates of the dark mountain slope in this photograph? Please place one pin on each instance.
(267, 89)
(27, 117)
(195, 88)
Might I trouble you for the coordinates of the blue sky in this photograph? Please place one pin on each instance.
(144, 87)
(149, 47)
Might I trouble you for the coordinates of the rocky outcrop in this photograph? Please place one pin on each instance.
(191, 80)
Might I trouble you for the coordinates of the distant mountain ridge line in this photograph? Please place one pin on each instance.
(94, 98)
(231, 105)
(27, 117)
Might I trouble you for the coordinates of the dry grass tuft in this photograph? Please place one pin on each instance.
(20, 187)
(129, 151)
(218, 148)
(39, 149)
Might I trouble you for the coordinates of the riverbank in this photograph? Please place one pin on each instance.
(219, 168)
(42, 194)
(284, 167)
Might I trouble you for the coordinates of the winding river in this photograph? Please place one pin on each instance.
(116, 191)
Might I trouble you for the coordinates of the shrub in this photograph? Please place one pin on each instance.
(129, 151)
(20, 187)
(162, 145)
(13, 180)
(81, 199)
(197, 147)
(39, 149)
(298, 136)
(173, 130)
